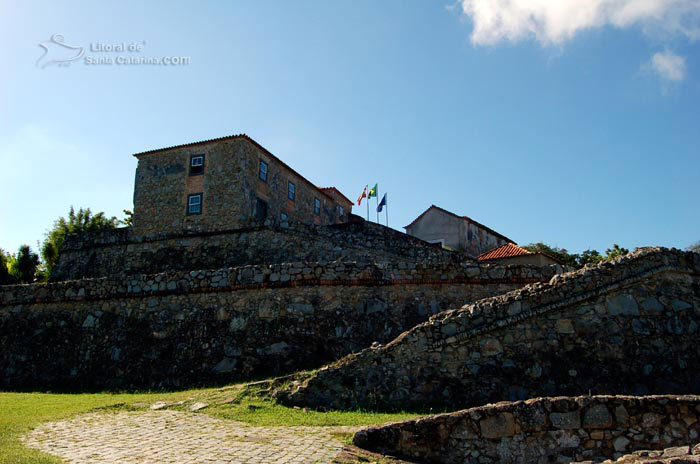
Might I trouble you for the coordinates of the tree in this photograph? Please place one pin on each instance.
(24, 266)
(589, 256)
(128, 218)
(576, 260)
(5, 277)
(694, 247)
(561, 254)
(615, 251)
(76, 223)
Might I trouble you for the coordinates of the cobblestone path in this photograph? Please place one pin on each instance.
(178, 437)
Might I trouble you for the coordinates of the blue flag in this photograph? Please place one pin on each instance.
(382, 204)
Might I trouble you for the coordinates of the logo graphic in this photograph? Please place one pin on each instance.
(59, 53)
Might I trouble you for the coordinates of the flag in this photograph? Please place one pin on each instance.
(363, 195)
(373, 191)
(382, 204)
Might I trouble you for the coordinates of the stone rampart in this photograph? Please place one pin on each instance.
(194, 327)
(120, 253)
(559, 429)
(627, 326)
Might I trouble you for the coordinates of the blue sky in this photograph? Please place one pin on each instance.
(546, 123)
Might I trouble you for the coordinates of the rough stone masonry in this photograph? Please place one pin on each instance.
(121, 252)
(180, 328)
(624, 327)
(559, 429)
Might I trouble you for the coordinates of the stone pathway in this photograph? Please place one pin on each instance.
(177, 437)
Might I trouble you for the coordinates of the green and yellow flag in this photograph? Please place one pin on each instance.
(373, 191)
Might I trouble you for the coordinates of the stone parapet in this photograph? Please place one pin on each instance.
(559, 429)
(121, 253)
(282, 275)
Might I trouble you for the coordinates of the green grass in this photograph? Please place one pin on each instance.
(343, 437)
(268, 413)
(20, 412)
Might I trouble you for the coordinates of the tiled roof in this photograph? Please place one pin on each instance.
(508, 250)
(488, 229)
(333, 189)
(234, 137)
(203, 142)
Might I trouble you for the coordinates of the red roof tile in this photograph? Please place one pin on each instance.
(508, 250)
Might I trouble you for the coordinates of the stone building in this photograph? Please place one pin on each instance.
(437, 225)
(224, 184)
(510, 253)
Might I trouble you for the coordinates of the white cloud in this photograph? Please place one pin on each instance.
(555, 21)
(668, 65)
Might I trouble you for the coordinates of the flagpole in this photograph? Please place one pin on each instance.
(367, 208)
(376, 196)
(386, 205)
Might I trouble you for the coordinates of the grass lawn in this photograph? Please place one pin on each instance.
(20, 412)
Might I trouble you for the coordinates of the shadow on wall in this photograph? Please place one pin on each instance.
(624, 327)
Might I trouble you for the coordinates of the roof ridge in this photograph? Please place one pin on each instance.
(339, 193)
(182, 145)
(477, 223)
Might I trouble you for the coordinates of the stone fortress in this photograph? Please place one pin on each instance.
(238, 267)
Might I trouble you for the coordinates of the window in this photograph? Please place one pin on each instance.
(291, 191)
(261, 209)
(317, 206)
(263, 171)
(196, 165)
(341, 211)
(283, 216)
(194, 203)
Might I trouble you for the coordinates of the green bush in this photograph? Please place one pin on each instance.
(5, 277)
(23, 267)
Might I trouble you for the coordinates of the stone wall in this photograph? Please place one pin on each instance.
(120, 253)
(627, 326)
(196, 327)
(541, 430)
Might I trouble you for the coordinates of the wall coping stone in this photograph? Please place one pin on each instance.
(590, 427)
(284, 275)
